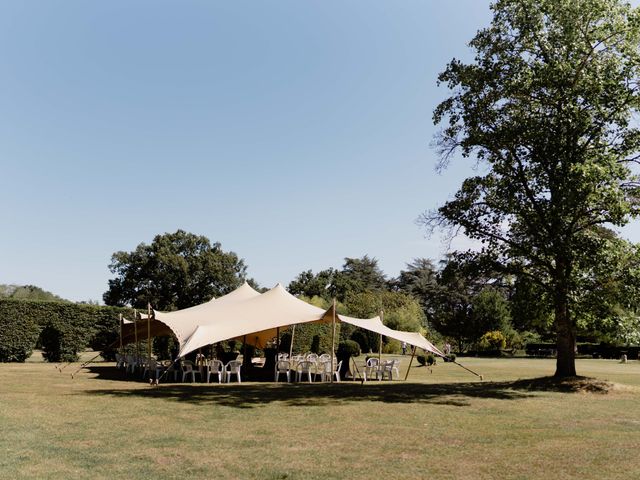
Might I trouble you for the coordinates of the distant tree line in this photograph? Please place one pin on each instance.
(459, 300)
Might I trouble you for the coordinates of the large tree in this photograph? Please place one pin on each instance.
(177, 270)
(546, 110)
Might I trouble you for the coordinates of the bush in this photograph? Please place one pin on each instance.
(492, 341)
(347, 349)
(362, 339)
(450, 358)
(61, 329)
(315, 344)
(422, 359)
(18, 336)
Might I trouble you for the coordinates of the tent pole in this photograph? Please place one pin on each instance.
(413, 354)
(293, 333)
(278, 339)
(120, 334)
(149, 336)
(333, 337)
(135, 329)
(380, 345)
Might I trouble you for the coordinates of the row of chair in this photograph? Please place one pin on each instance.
(308, 368)
(381, 370)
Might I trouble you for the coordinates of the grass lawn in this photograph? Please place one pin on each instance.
(442, 425)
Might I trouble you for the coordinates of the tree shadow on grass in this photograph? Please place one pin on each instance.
(250, 395)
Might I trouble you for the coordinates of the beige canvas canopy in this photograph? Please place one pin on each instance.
(255, 318)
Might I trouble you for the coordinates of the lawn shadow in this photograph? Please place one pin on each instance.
(250, 395)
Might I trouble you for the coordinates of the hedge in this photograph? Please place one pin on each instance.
(62, 329)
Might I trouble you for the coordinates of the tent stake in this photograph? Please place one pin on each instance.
(413, 353)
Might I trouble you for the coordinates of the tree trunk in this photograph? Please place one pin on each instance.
(566, 337)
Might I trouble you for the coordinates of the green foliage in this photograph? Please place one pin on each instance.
(401, 312)
(347, 349)
(420, 281)
(492, 341)
(547, 108)
(356, 276)
(63, 329)
(178, 270)
(18, 332)
(429, 359)
(28, 292)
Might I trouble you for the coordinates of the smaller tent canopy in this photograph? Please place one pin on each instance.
(376, 325)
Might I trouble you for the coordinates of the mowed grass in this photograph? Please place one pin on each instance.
(443, 424)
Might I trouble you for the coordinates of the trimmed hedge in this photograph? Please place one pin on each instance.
(18, 334)
(62, 329)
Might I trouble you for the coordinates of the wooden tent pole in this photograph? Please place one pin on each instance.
(135, 330)
(121, 334)
(293, 333)
(380, 345)
(149, 337)
(333, 338)
(278, 339)
(413, 354)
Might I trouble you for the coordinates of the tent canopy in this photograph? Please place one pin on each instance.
(245, 313)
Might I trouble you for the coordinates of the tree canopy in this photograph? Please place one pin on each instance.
(546, 110)
(176, 271)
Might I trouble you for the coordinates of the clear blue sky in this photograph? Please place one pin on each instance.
(295, 133)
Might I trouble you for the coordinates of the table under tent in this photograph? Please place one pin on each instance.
(252, 318)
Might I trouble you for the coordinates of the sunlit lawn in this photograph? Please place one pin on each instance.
(440, 425)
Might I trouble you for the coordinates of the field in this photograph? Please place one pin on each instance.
(442, 424)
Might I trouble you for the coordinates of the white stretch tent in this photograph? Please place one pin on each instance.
(245, 313)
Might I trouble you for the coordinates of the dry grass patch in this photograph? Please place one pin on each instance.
(518, 425)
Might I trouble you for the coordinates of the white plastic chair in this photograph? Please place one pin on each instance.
(386, 370)
(304, 368)
(152, 366)
(283, 367)
(312, 357)
(131, 363)
(215, 367)
(232, 368)
(324, 357)
(121, 360)
(371, 369)
(396, 368)
(187, 369)
(323, 369)
(336, 372)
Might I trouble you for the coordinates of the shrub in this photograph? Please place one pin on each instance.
(362, 339)
(18, 336)
(61, 329)
(347, 349)
(422, 359)
(492, 341)
(431, 359)
(392, 346)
